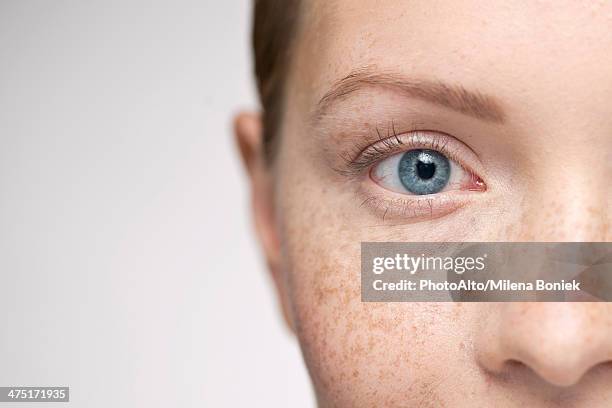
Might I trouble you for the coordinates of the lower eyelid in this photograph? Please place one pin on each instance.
(413, 208)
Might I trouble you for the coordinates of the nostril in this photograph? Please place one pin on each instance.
(512, 363)
(601, 371)
(513, 371)
(516, 372)
(556, 375)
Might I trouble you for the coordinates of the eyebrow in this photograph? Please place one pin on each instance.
(454, 97)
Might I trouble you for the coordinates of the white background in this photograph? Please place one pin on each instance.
(128, 267)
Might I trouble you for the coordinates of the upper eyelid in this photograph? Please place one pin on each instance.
(392, 144)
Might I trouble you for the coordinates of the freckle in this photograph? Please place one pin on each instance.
(457, 311)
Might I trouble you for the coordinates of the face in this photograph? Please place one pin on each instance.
(439, 121)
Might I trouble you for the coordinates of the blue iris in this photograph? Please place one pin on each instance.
(424, 171)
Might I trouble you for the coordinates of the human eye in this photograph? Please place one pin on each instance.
(418, 174)
(421, 172)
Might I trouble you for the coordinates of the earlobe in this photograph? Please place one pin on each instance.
(249, 137)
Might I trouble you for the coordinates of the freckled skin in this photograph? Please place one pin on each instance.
(547, 172)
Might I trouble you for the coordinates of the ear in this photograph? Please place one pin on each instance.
(249, 136)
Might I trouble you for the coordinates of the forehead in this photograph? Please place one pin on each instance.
(496, 46)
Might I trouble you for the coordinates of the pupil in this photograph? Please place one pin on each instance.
(425, 170)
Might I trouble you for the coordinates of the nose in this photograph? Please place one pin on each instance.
(566, 205)
(559, 342)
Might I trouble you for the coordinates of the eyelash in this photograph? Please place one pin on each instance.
(360, 159)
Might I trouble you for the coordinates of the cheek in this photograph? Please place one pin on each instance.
(360, 354)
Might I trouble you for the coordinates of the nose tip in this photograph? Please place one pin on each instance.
(559, 342)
